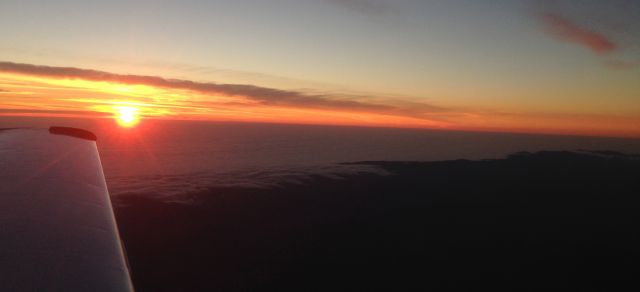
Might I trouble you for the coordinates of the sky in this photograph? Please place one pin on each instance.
(538, 66)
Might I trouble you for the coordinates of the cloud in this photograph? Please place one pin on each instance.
(3, 90)
(261, 95)
(567, 30)
(63, 112)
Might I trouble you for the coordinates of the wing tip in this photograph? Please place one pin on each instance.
(73, 132)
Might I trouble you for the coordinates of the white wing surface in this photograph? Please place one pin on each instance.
(57, 228)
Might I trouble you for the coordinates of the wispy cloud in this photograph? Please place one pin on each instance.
(567, 30)
(261, 95)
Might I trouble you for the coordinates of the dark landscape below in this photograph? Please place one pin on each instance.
(560, 221)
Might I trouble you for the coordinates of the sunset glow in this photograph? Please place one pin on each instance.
(280, 145)
(127, 116)
(36, 94)
(457, 65)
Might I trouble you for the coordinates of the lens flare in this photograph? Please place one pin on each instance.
(127, 116)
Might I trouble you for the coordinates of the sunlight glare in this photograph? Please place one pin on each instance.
(127, 116)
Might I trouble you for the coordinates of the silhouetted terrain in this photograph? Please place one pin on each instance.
(533, 222)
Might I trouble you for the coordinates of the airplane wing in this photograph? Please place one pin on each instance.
(57, 228)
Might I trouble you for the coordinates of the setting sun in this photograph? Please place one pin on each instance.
(127, 116)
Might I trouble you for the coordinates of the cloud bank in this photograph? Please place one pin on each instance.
(260, 95)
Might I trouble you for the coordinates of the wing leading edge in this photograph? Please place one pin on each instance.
(57, 228)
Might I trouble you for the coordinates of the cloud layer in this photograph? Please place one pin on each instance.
(260, 95)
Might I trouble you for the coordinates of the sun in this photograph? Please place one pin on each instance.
(127, 116)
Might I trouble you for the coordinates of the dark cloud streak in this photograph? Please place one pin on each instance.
(8, 112)
(261, 95)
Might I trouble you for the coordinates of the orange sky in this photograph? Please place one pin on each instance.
(521, 66)
(54, 91)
